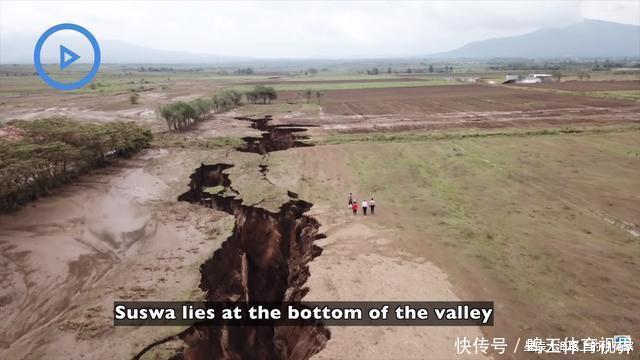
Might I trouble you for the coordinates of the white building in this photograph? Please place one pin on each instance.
(543, 77)
(529, 79)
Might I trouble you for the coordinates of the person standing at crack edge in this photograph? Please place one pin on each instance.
(372, 205)
(350, 199)
(364, 207)
(354, 207)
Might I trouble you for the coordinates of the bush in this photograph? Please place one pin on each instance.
(133, 98)
(50, 152)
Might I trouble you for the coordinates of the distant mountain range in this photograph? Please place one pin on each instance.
(586, 39)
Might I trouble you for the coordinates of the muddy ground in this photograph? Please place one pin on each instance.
(115, 234)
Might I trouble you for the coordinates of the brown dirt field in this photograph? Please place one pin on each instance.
(460, 106)
(587, 85)
(453, 98)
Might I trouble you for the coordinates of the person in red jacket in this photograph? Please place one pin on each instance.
(354, 207)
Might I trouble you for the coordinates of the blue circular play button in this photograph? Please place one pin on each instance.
(67, 57)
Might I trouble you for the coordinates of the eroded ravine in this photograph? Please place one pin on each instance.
(265, 259)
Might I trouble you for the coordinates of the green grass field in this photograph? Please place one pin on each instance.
(535, 213)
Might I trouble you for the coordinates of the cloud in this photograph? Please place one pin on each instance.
(306, 29)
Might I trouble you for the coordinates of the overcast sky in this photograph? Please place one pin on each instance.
(306, 29)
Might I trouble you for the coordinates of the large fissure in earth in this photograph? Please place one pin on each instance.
(274, 138)
(265, 259)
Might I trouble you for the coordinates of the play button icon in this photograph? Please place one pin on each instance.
(64, 62)
(67, 57)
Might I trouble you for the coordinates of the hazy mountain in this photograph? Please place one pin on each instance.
(588, 38)
(20, 50)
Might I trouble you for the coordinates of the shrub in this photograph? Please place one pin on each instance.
(50, 152)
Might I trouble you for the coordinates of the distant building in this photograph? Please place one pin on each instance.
(529, 79)
(470, 80)
(543, 77)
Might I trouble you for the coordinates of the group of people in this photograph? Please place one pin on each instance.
(353, 204)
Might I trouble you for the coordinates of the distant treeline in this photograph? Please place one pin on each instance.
(182, 114)
(596, 65)
(430, 69)
(36, 156)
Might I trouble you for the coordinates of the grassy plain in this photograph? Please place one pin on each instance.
(540, 222)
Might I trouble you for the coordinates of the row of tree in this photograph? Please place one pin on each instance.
(261, 93)
(431, 69)
(180, 115)
(46, 153)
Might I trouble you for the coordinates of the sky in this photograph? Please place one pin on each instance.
(305, 29)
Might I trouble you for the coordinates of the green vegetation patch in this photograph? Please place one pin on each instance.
(530, 211)
(214, 189)
(337, 138)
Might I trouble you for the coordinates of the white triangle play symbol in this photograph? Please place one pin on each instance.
(67, 57)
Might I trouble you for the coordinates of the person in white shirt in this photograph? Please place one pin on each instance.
(364, 207)
(372, 205)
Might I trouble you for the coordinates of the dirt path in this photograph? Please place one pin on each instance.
(371, 268)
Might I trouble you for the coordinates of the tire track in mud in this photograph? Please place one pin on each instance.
(265, 259)
(38, 291)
